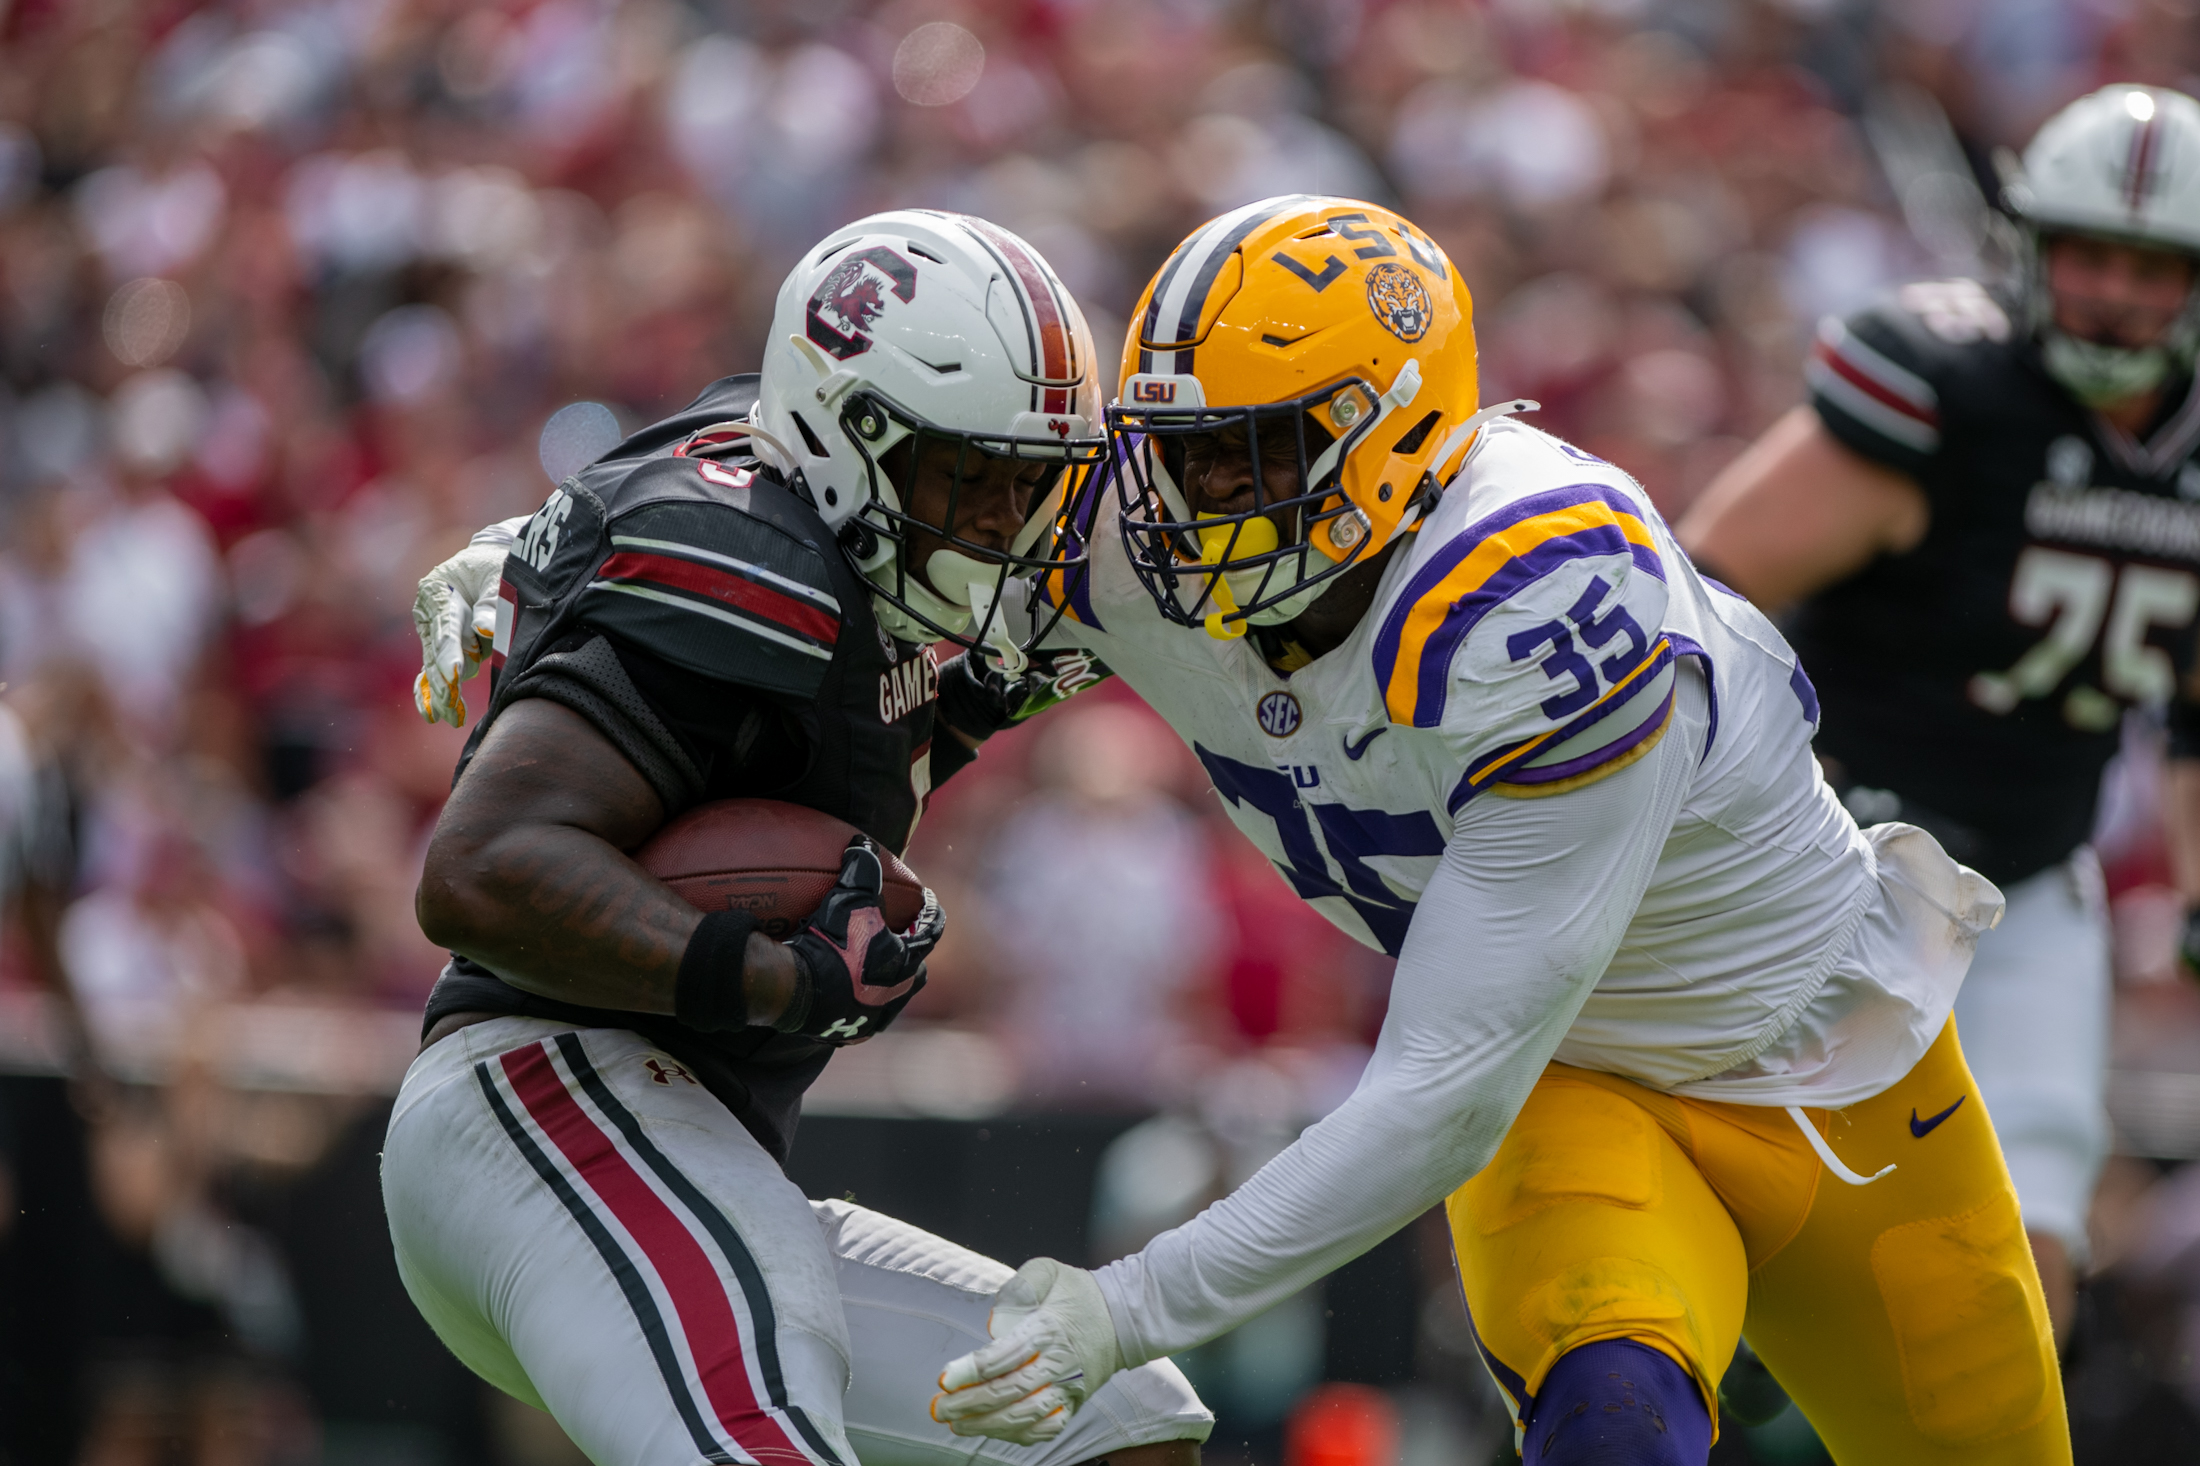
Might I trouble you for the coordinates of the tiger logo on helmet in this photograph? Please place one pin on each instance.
(1400, 301)
(1323, 334)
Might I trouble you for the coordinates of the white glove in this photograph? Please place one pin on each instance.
(455, 615)
(1053, 1345)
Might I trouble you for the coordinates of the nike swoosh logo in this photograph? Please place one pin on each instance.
(1353, 750)
(1923, 1128)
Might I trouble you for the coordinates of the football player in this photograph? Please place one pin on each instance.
(1989, 514)
(1669, 1034)
(582, 1172)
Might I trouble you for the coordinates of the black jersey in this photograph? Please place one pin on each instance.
(702, 618)
(1980, 679)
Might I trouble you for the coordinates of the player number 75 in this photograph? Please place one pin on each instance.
(2073, 595)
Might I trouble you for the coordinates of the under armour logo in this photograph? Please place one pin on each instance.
(843, 1028)
(663, 1073)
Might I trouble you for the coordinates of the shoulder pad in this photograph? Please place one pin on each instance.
(1878, 377)
(726, 400)
(708, 586)
(1528, 626)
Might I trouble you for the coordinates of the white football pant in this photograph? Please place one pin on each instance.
(2033, 1017)
(591, 1231)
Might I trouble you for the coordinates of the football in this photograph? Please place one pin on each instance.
(771, 859)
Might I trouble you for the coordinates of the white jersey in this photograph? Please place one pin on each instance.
(1569, 784)
(1528, 641)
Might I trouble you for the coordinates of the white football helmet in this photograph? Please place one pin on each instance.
(920, 327)
(2122, 163)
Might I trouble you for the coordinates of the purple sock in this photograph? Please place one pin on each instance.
(1617, 1403)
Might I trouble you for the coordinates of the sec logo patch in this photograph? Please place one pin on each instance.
(1278, 715)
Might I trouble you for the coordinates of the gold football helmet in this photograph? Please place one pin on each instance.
(1317, 334)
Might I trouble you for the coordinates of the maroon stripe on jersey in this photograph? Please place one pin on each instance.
(1864, 382)
(1055, 345)
(700, 1298)
(725, 587)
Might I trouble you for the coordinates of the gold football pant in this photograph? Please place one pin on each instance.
(1904, 1317)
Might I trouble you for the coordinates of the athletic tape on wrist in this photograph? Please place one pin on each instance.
(708, 993)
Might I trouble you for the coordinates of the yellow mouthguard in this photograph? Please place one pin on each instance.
(1254, 537)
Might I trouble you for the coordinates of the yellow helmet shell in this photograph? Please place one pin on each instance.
(1284, 298)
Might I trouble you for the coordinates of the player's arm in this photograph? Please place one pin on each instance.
(978, 699)
(527, 874)
(1842, 479)
(1529, 902)
(1801, 510)
(1540, 892)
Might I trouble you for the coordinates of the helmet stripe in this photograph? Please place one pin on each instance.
(1181, 292)
(2139, 169)
(1054, 347)
(1149, 327)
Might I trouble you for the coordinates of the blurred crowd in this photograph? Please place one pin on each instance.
(290, 288)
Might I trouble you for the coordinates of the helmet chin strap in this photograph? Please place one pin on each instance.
(774, 454)
(949, 573)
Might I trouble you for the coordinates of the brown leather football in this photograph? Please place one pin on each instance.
(774, 860)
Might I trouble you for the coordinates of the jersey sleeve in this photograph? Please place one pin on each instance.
(1533, 640)
(1519, 920)
(718, 593)
(676, 627)
(1877, 378)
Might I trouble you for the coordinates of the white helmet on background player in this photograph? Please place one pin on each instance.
(917, 326)
(2122, 163)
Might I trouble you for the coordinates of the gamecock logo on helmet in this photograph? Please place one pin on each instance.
(1400, 301)
(854, 295)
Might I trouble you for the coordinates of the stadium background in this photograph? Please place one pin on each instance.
(288, 292)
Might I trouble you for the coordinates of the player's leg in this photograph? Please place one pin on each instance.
(914, 1301)
(1905, 1316)
(2033, 1013)
(1605, 1280)
(595, 1233)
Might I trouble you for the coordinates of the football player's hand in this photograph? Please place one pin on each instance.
(855, 973)
(979, 699)
(455, 615)
(1053, 1345)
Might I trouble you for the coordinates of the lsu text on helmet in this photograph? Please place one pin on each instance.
(2123, 164)
(921, 339)
(1324, 333)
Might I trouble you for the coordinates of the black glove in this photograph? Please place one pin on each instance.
(980, 699)
(2188, 944)
(856, 974)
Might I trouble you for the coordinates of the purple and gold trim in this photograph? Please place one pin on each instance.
(1507, 765)
(1482, 567)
